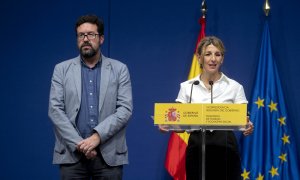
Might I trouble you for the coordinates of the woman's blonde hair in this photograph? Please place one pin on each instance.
(208, 41)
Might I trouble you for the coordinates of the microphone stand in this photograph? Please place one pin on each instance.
(203, 130)
(203, 153)
(194, 83)
(211, 83)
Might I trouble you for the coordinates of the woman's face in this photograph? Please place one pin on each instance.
(211, 58)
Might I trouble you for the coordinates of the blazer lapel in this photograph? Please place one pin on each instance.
(77, 76)
(105, 73)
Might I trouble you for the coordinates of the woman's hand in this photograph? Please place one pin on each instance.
(166, 129)
(163, 128)
(249, 127)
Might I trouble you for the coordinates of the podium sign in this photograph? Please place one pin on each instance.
(217, 115)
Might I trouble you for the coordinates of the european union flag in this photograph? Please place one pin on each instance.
(270, 152)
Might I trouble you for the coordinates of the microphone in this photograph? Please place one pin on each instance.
(194, 83)
(211, 83)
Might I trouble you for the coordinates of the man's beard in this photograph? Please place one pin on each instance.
(87, 53)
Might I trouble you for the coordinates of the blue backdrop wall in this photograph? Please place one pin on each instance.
(156, 40)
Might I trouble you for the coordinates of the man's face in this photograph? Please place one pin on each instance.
(88, 40)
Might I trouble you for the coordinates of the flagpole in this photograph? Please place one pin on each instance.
(204, 10)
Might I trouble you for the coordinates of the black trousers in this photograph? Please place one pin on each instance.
(222, 156)
(86, 169)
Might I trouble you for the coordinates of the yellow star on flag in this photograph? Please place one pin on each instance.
(281, 120)
(285, 139)
(283, 157)
(245, 174)
(260, 177)
(260, 103)
(273, 106)
(274, 172)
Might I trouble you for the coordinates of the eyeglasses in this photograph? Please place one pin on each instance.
(90, 36)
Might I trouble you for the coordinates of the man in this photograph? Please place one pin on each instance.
(90, 104)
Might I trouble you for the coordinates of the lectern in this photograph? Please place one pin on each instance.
(189, 117)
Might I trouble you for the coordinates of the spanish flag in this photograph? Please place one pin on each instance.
(175, 157)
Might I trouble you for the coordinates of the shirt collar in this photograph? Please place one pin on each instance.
(223, 78)
(98, 64)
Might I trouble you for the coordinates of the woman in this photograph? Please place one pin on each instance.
(222, 156)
